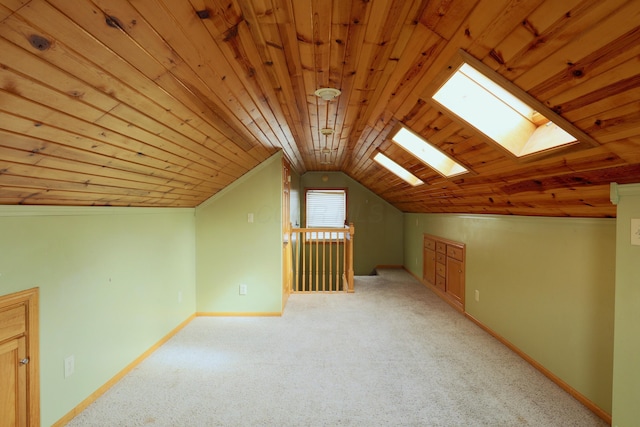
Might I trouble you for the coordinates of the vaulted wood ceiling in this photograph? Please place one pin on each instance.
(166, 102)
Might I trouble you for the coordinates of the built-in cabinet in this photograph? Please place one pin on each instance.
(444, 268)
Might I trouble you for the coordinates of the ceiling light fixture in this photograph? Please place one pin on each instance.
(327, 131)
(327, 93)
(326, 156)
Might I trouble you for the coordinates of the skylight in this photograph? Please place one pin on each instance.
(398, 170)
(497, 108)
(427, 153)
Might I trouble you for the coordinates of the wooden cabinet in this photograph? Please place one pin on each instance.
(444, 268)
(429, 273)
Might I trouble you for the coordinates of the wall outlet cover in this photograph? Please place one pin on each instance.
(635, 231)
(69, 366)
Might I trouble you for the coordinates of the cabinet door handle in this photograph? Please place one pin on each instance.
(24, 361)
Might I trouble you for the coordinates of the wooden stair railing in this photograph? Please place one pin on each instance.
(322, 259)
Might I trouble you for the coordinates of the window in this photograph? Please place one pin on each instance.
(326, 208)
(428, 154)
(503, 112)
(396, 169)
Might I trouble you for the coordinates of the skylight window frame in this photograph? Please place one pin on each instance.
(390, 165)
(432, 146)
(583, 141)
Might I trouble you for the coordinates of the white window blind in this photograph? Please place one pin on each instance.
(326, 208)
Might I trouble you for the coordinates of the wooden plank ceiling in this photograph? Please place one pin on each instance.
(166, 102)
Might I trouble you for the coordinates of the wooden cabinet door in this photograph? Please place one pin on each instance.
(430, 266)
(19, 373)
(455, 279)
(13, 387)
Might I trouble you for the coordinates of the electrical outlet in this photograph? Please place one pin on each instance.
(635, 231)
(243, 289)
(477, 295)
(250, 217)
(69, 366)
(179, 297)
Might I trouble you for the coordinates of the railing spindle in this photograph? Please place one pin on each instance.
(324, 248)
(304, 262)
(331, 244)
(296, 265)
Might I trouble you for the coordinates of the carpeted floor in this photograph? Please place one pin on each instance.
(392, 354)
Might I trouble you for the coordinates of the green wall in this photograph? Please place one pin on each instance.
(231, 251)
(546, 285)
(109, 282)
(111, 279)
(626, 370)
(378, 225)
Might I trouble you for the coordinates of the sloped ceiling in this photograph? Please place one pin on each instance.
(164, 103)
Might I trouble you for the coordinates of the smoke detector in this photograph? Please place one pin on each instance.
(327, 93)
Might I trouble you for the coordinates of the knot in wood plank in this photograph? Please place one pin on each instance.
(39, 42)
(203, 14)
(113, 22)
(231, 33)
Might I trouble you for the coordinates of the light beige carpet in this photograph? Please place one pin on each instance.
(392, 354)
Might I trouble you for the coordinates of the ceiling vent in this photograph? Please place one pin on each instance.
(327, 93)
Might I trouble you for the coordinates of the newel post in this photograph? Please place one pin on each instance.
(350, 280)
